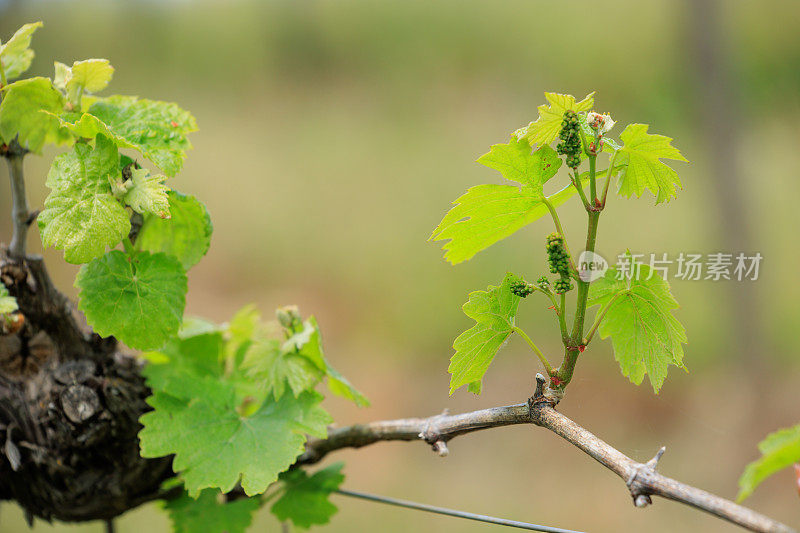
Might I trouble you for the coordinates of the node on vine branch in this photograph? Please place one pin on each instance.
(639, 492)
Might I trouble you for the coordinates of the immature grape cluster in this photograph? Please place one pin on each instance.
(557, 254)
(558, 258)
(562, 285)
(570, 144)
(521, 288)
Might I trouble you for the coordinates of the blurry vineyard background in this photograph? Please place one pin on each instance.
(333, 136)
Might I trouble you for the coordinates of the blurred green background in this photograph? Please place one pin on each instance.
(333, 136)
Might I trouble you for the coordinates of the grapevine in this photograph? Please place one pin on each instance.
(219, 420)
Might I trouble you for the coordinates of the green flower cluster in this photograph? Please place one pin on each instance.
(557, 254)
(521, 288)
(558, 258)
(570, 144)
(562, 285)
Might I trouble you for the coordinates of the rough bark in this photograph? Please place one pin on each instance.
(69, 409)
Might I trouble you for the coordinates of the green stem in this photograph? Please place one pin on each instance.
(592, 179)
(576, 181)
(571, 347)
(562, 317)
(545, 363)
(19, 211)
(609, 173)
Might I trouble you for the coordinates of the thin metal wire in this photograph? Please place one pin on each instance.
(452, 512)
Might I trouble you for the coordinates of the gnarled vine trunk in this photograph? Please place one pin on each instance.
(69, 409)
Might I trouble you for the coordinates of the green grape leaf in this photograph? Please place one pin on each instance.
(779, 450)
(545, 129)
(8, 304)
(148, 194)
(489, 213)
(156, 129)
(305, 500)
(199, 354)
(642, 168)
(91, 75)
(215, 446)
(139, 299)
(211, 513)
(645, 335)
(16, 55)
(516, 163)
(81, 216)
(494, 311)
(26, 113)
(186, 235)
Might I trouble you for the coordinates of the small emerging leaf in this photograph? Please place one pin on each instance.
(240, 332)
(15, 54)
(778, 451)
(148, 194)
(61, 76)
(545, 129)
(27, 112)
(93, 75)
(278, 369)
(297, 363)
(493, 311)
